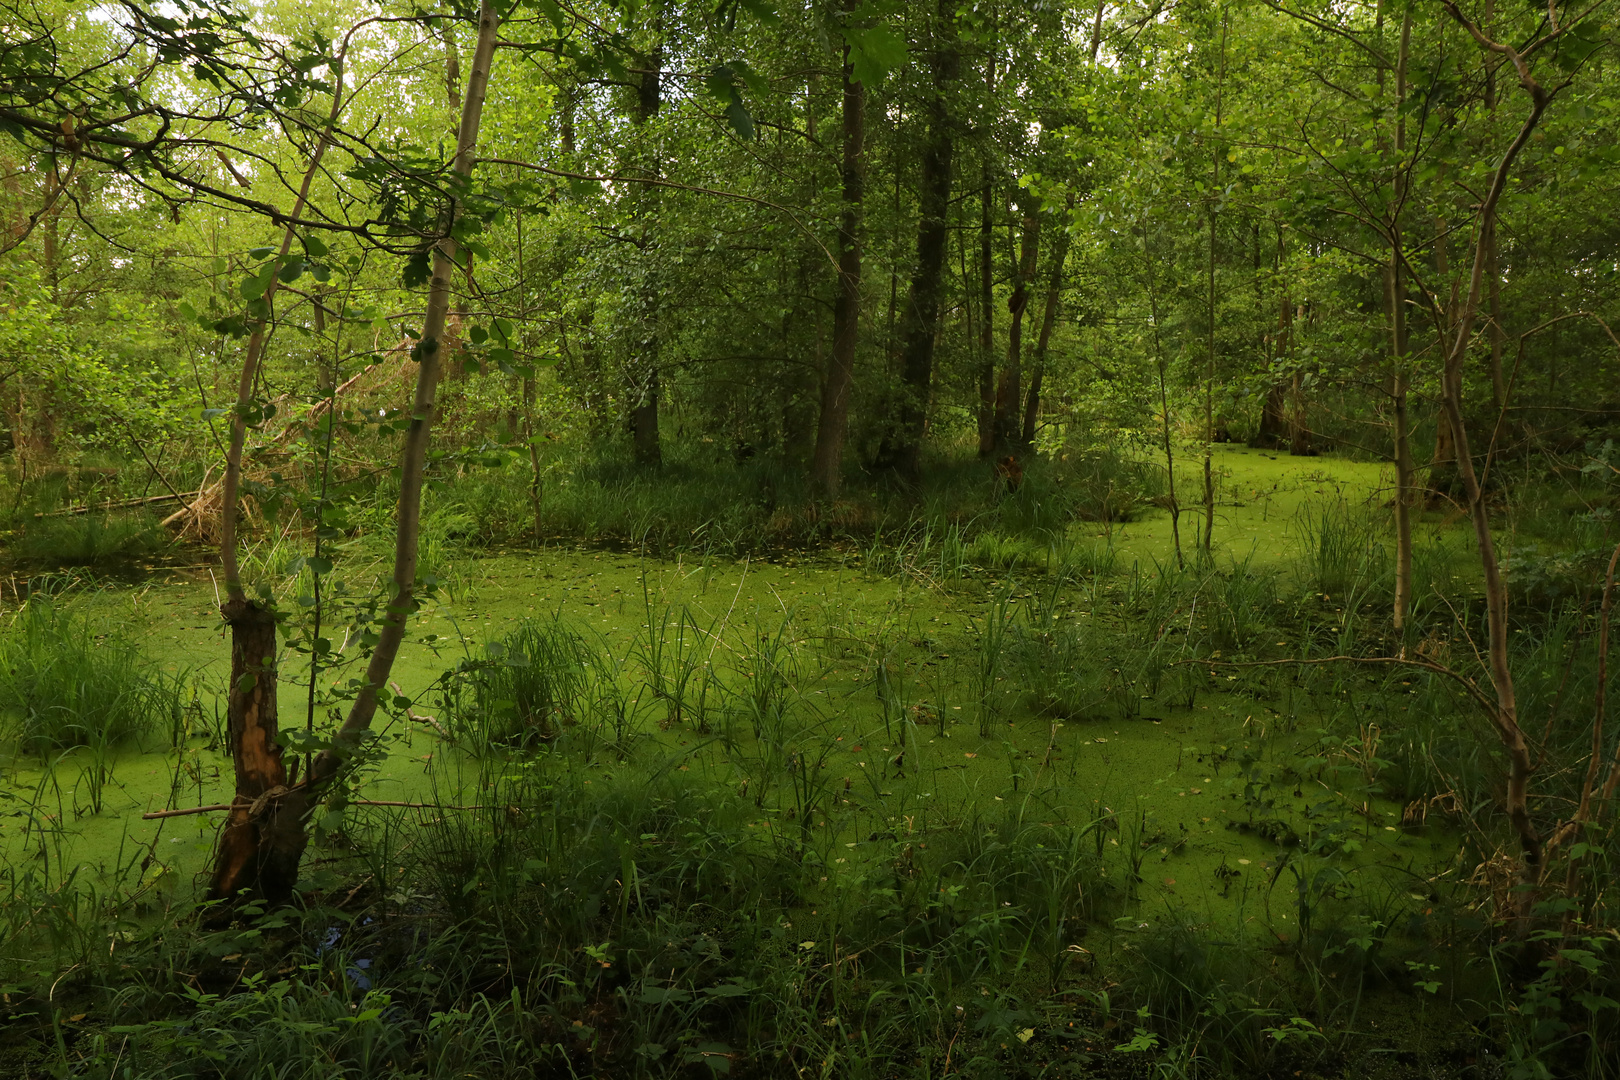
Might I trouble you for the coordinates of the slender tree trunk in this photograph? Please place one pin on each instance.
(1493, 270)
(530, 397)
(1054, 296)
(452, 66)
(402, 599)
(1444, 483)
(1395, 303)
(1009, 391)
(1273, 430)
(826, 464)
(645, 388)
(566, 126)
(1162, 366)
(1206, 540)
(1505, 716)
(903, 451)
(987, 356)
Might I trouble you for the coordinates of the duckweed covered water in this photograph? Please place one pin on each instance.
(1208, 800)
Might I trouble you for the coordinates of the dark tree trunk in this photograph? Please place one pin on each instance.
(829, 453)
(1054, 296)
(645, 445)
(902, 449)
(1273, 431)
(1299, 428)
(987, 355)
(263, 838)
(1010, 390)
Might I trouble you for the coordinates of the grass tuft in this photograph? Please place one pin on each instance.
(64, 684)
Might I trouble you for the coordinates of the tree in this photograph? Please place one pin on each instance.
(902, 448)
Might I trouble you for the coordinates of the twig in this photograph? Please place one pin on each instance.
(412, 714)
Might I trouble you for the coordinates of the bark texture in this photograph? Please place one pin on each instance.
(1054, 298)
(263, 838)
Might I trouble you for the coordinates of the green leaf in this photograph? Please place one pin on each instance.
(315, 246)
(874, 52)
(291, 270)
(251, 289)
(741, 122)
(418, 268)
(261, 253)
(721, 82)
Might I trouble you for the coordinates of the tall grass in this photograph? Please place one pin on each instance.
(1341, 546)
(67, 683)
(90, 539)
(523, 690)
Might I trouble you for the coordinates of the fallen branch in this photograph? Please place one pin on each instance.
(119, 504)
(214, 807)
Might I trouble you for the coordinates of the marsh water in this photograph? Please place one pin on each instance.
(1174, 775)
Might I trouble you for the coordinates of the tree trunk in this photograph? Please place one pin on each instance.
(827, 462)
(987, 357)
(903, 446)
(1299, 428)
(1206, 540)
(452, 66)
(1395, 303)
(1445, 486)
(1009, 391)
(1505, 715)
(1444, 483)
(1494, 330)
(646, 447)
(263, 840)
(1273, 430)
(402, 599)
(1054, 296)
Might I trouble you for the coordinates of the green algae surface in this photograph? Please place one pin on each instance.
(1225, 799)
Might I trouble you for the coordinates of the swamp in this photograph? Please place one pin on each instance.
(632, 538)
